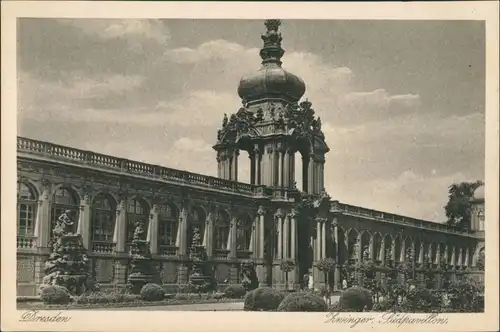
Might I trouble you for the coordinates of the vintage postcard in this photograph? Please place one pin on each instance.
(249, 166)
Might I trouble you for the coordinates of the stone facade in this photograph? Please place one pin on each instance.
(260, 220)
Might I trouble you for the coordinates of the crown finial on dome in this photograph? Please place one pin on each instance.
(272, 51)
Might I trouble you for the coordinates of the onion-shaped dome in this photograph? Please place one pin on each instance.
(271, 80)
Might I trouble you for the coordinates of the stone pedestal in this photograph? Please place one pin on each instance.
(120, 275)
(182, 274)
(233, 275)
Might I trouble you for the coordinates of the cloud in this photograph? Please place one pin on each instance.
(381, 99)
(211, 50)
(192, 145)
(70, 91)
(135, 32)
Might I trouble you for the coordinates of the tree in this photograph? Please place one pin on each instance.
(287, 266)
(459, 207)
(327, 266)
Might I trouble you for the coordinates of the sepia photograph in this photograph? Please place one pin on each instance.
(262, 164)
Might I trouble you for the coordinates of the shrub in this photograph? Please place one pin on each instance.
(234, 291)
(263, 299)
(465, 296)
(152, 292)
(423, 300)
(356, 299)
(303, 301)
(54, 295)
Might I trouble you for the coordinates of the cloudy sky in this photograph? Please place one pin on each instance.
(402, 102)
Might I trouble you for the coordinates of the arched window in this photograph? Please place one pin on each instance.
(137, 211)
(103, 218)
(243, 233)
(65, 199)
(221, 230)
(168, 221)
(26, 209)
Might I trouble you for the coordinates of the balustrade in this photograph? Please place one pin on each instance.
(103, 247)
(26, 242)
(167, 250)
(129, 166)
(423, 224)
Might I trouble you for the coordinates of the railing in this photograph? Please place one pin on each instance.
(26, 242)
(103, 247)
(129, 166)
(167, 250)
(384, 216)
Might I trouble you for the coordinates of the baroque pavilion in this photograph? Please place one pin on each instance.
(259, 221)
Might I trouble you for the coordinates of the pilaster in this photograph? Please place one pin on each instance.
(119, 236)
(261, 215)
(152, 235)
(42, 223)
(279, 225)
(231, 242)
(84, 222)
(286, 230)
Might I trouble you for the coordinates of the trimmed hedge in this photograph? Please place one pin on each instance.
(303, 301)
(54, 294)
(152, 292)
(263, 299)
(234, 291)
(356, 299)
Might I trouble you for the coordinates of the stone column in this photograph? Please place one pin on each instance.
(336, 277)
(83, 227)
(261, 268)
(293, 236)
(258, 165)
(208, 236)
(42, 222)
(323, 238)
(291, 173)
(460, 259)
(231, 243)
(466, 263)
(371, 249)
(310, 176)
(286, 230)
(153, 230)
(251, 156)
(429, 253)
(421, 253)
(254, 238)
(317, 256)
(279, 181)
(181, 241)
(286, 169)
(453, 261)
(382, 251)
(261, 214)
(279, 223)
(120, 233)
(438, 254)
(234, 165)
(402, 256)
(446, 258)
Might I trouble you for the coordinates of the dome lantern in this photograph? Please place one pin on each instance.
(271, 80)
